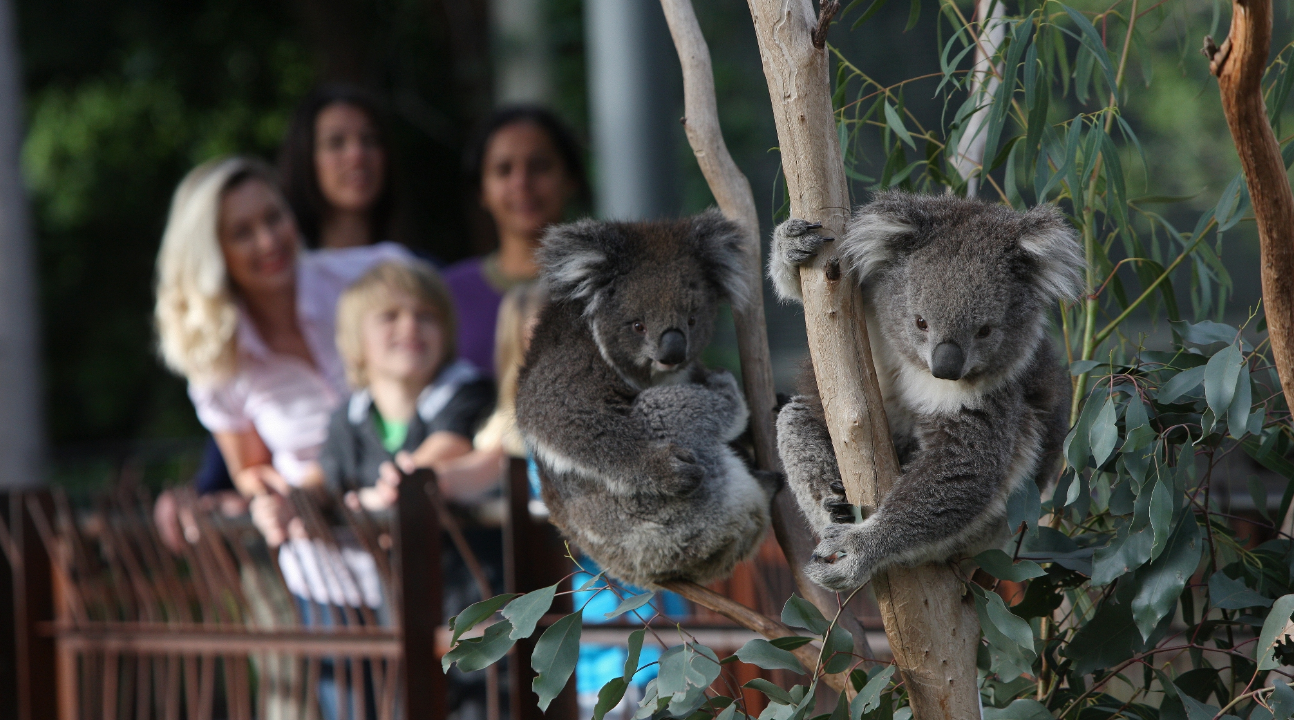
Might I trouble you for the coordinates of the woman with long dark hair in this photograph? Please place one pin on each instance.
(527, 168)
(336, 170)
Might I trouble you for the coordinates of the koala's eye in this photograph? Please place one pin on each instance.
(691, 320)
(921, 323)
(640, 328)
(984, 332)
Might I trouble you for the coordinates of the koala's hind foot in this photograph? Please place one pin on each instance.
(795, 243)
(845, 558)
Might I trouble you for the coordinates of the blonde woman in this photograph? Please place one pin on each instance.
(248, 319)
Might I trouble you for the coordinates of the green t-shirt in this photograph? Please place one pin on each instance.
(392, 433)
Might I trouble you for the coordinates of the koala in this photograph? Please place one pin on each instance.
(957, 295)
(629, 430)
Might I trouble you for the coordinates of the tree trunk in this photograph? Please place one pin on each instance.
(732, 192)
(985, 78)
(929, 620)
(1239, 66)
(20, 388)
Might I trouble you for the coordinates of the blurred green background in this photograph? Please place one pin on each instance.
(123, 97)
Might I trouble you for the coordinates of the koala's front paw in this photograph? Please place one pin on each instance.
(795, 242)
(680, 473)
(838, 562)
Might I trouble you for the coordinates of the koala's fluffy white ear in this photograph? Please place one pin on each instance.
(574, 260)
(721, 244)
(1054, 245)
(869, 241)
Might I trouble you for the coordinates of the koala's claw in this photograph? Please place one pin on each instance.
(840, 512)
(836, 564)
(798, 241)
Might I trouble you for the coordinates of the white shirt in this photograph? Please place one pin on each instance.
(283, 398)
(288, 403)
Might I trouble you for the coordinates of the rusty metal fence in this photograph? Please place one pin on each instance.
(111, 623)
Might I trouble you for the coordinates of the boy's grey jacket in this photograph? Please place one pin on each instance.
(958, 292)
(456, 401)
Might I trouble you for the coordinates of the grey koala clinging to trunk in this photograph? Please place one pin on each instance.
(630, 432)
(957, 295)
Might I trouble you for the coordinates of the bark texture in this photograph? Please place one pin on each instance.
(731, 190)
(930, 622)
(1239, 66)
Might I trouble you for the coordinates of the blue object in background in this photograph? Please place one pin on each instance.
(598, 663)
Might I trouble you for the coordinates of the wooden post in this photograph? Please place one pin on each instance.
(418, 569)
(1239, 66)
(929, 620)
(534, 557)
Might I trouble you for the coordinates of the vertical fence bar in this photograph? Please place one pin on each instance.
(418, 562)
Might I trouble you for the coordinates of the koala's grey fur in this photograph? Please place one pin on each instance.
(633, 451)
(981, 277)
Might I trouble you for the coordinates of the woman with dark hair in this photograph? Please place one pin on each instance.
(335, 169)
(527, 167)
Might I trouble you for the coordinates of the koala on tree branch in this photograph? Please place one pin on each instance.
(957, 293)
(630, 431)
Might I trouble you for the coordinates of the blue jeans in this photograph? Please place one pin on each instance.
(315, 615)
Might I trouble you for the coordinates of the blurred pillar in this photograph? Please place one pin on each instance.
(634, 105)
(20, 392)
(523, 68)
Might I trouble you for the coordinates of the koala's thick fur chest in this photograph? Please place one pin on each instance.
(957, 298)
(630, 432)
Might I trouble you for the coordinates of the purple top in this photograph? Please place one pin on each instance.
(476, 302)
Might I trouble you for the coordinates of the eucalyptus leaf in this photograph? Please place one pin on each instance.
(1228, 594)
(1128, 551)
(1023, 505)
(1220, 379)
(609, 697)
(774, 693)
(1161, 582)
(1010, 640)
(801, 613)
(1161, 516)
(635, 647)
(1241, 404)
(1020, 709)
(1282, 700)
(999, 565)
(1078, 443)
(479, 653)
(554, 657)
(895, 123)
(474, 614)
(869, 698)
(1272, 628)
(526, 611)
(1180, 384)
(1105, 432)
(764, 654)
(633, 602)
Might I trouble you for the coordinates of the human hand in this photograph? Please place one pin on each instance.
(273, 515)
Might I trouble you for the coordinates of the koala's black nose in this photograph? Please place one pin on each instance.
(672, 349)
(947, 360)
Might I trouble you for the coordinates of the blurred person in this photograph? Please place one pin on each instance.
(337, 180)
(335, 169)
(414, 402)
(527, 168)
(248, 319)
(479, 472)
